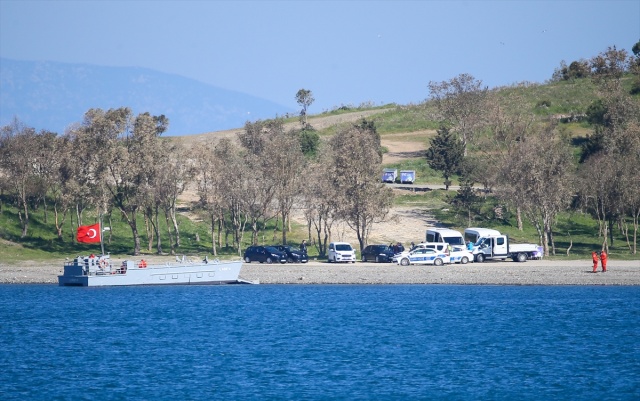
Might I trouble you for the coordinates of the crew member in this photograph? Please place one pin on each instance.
(603, 260)
(594, 256)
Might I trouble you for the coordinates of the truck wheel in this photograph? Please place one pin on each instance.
(404, 262)
(438, 262)
(464, 260)
(479, 258)
(522, 257)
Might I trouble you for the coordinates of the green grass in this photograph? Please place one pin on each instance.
(424, 173)
(42, 243)
(573, 229)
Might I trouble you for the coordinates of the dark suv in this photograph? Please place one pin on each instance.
(264, 254)
(294, 255)
(379, 253)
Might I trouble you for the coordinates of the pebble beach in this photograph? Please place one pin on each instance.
(533, 272)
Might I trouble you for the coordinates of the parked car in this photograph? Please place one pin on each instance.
(424, 256)
(341, 252)
(460, 254)
(378, 253)
(264, 254)
(294, 255)
(438, 246)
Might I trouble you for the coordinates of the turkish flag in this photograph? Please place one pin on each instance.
(89, 233)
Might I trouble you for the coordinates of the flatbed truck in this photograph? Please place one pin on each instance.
(498, 247)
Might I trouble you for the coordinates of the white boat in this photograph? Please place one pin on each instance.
(94, 271)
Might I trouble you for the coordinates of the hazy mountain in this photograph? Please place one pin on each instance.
(52, 96)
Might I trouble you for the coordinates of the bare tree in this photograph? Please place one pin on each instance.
(510, 123)
(237, 186)
(305, 99)
(18, 151)
(538, 177)
(320, 202)
(209, 181)
(461, 102)
(175, 173)
(356, 162)
(608, 187)
(120, 153)
(284, 164)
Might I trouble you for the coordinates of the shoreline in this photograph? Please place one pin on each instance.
(533, 272)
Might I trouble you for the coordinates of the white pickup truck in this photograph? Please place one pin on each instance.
(498, 247)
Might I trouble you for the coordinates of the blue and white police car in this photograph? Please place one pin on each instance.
(460, 254)
(424, 256)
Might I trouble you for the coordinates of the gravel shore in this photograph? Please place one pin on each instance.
(537, 272)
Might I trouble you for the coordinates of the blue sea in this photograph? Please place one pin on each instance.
(305, 342)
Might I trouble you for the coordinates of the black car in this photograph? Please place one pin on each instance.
(294, 255)
(378, 253)
(264, 254)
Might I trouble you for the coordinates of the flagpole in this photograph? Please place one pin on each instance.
(101, 242)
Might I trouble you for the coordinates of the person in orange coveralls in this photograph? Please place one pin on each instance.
(594, 256)
(603, 260)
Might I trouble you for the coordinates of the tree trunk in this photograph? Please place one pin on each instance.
(147, 229)
(176, 228)
(24, 221)
(214, 250)
(284, 230)
(136, 237)
(156, 227)
(59, 224)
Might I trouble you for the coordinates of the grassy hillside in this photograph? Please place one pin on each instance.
(410, 124)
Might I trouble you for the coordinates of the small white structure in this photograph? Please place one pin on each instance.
(407, 176)
(389, 175)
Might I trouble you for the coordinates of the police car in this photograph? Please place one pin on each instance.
(424, 256)
(461, 255)
(438, 246)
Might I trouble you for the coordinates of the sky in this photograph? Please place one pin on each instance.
(345, 52)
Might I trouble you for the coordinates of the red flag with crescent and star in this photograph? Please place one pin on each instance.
(89, 233)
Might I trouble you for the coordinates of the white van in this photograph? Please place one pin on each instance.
(341, 252)
(451, 237)
(474, 233)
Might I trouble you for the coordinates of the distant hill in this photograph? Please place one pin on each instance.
(52, 96)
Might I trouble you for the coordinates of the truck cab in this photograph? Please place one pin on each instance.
(498, 247)
(494, 247)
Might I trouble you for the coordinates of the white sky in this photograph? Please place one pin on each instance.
(345, 52)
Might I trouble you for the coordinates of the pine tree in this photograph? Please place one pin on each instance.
(445, 154)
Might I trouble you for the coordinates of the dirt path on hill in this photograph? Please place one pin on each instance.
(318, 122)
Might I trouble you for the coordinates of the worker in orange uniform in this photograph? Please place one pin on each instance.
(603, 260)
(594, 256)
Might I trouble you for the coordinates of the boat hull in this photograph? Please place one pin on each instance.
(178, 274)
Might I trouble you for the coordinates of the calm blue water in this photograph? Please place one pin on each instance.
(270, 342)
